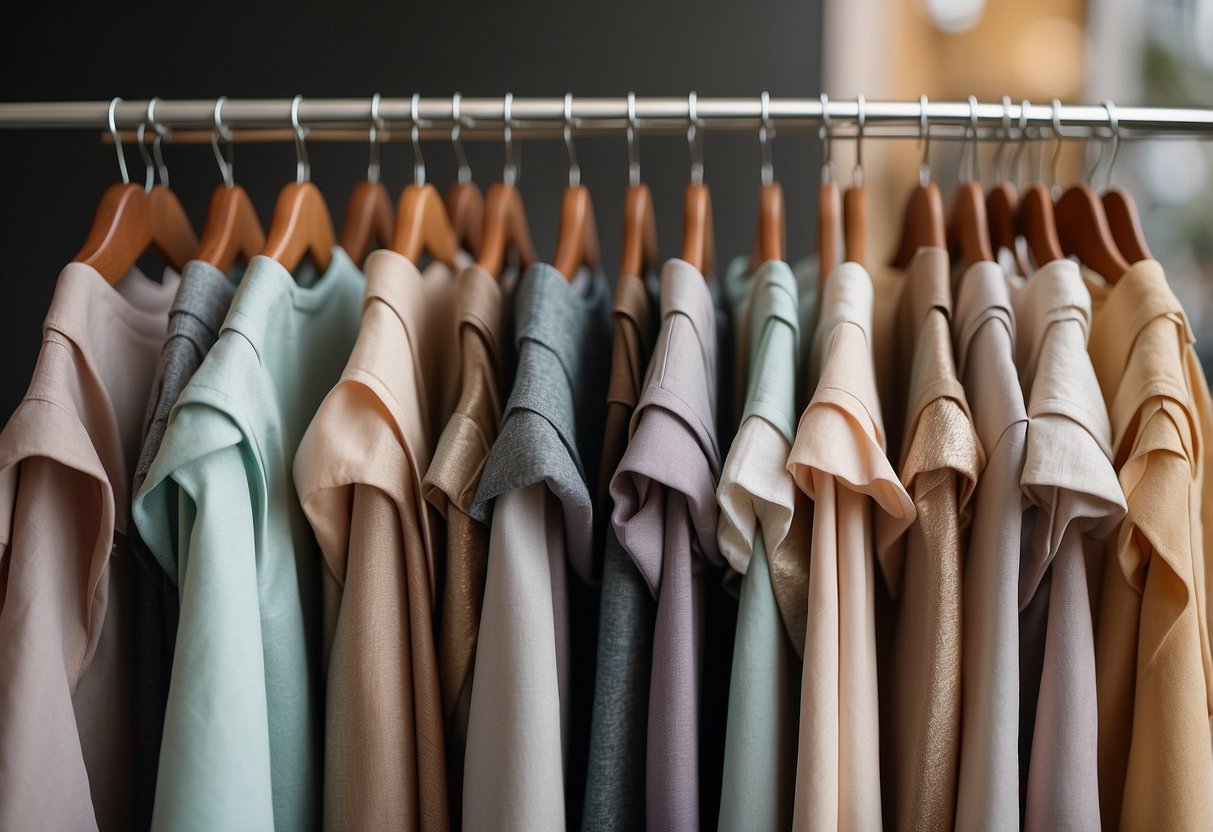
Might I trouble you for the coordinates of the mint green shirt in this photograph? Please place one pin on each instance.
(757, 498)
(218, 509)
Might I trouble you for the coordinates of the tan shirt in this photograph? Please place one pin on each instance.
(1152, 650)
(940, 458)
(838, 459)
(358, 473)
(67, 456)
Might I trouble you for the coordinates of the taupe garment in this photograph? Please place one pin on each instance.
(450, 486)
(940, 458)
(358, 473)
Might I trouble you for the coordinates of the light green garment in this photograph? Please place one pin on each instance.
(757, 497)
(241, 746)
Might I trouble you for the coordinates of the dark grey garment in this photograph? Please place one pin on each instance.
(197, 315)
(614, 798)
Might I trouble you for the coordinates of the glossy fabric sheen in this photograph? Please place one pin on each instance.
(615, 785)
(201, 304)
(940, 459)
(534, 488)
(1152, 649)
(756, 496)
(838, 460)
(220, 511)
(67, 457)
(1069, 479)
(665, 516)
(358, 473)
(984, 329)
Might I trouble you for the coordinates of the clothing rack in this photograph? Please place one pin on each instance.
(347, 119)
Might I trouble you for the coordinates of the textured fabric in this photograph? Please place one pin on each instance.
(614, 797)
(66, 459)
(201, 304)
(220, 512)
(665, 517)
(1152, 650)
(1069, 479)
(756, 497)
(988, 788)
(478, 338)
(358, 473)
(536, 472)
(940, 458)
(838, 460)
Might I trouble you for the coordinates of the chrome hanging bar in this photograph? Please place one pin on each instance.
(545, 117)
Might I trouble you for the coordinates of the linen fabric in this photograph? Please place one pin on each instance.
(358, 472)
(67, 456)
(220, 512)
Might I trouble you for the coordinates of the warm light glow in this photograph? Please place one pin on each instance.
(1049, 58)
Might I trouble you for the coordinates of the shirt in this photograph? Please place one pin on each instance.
(665, 517)
(220, 512)
(838, 459)
(984, 328)
(616, 775)
(66, 459)
(537, 475)
(1069, 479)
(940, 458)
(480, 352)
(197, 314)
(358, 473)
(756, 497)
(1152, 650)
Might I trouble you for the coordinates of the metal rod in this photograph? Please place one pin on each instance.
(545, 117)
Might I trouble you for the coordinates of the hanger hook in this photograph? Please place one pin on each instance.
(633, 150)
(924, 135)
(696, 144)
(303, 168)
(1023, 138)
(162, 133)
(222, 131)
(510, 173)
(372, 164)
(766, 132)
(825, 134)
(149, 168)
(126, 178)
(418, 160)
(860, 120)
(1057, 137)
(1004, 133)
(1115, 125)
(974, 171)
(574, 168)
(465, 170)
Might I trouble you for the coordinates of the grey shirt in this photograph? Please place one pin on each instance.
(194, 321)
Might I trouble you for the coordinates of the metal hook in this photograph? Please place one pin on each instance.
(223, 157)
(766, 132)
(162, 133)
(574, 168)
(971, 143)
(465, 170)
(418, 161)
(1057, 137)
(696, 145)
(1004, 134)
(1115, 125)
(924, 135)
(377, 124)
(860, 119)
(303, 168)
(825, 135)
(509, 174)
(149, 168)
(126, 178)
(633, 150)
(1023, 138)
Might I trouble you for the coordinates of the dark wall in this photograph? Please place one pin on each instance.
(51, 181)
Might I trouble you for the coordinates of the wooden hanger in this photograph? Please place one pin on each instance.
(422, 225)
(855, 200)
(1119, 206)
(770, 241)
(923, 220)
(969, 229)
(638, 252)
(505, 223)
(464, 202)
(368, 215)
(301, 224)
(1036, 223)
(233, 229)
(1002, 202)
(1083, 230)
(131, 218)
(577, 241)
(698, 236)
(829, 210)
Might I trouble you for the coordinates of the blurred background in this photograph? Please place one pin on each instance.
(1131, 51)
